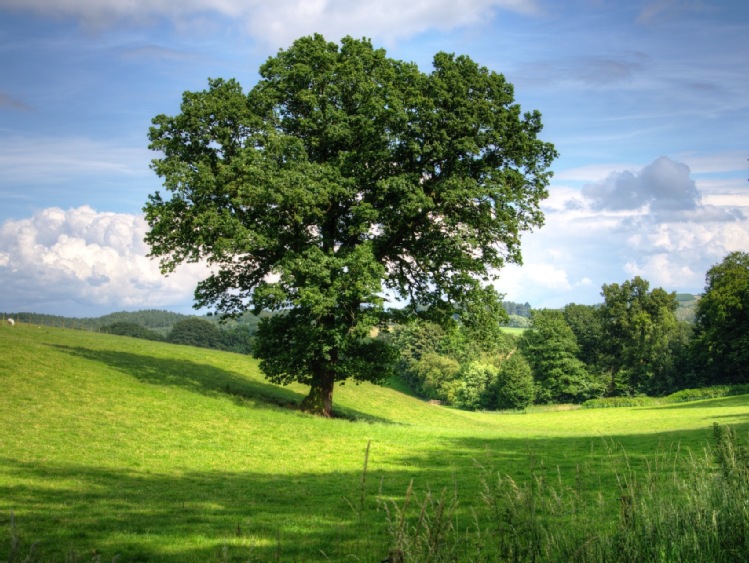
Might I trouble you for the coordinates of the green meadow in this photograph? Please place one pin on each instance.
(119, 447)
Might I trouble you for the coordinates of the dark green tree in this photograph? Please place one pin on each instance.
(585, 321)
(721, 338)
(551, 349)
(196, 332)
(514, 386)
(640, 337)
(237, 339)
(134, 330)
(341, 175)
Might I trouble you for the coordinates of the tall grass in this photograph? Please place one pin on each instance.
(683, 507)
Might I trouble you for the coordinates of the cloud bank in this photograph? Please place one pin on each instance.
(280, 22)
(81, 262)
(656, 222)
(653, 222)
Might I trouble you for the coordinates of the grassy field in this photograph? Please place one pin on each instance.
(155, 452)
(515, 331)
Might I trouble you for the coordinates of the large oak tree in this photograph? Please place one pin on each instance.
(341, 177)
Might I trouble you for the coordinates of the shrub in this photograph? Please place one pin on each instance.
(706, 393)
(473, 389)
(609, 402)
(434, 374)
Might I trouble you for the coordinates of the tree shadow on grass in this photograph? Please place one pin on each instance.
(87, 512)
(77, 511)
(256, 516)
(201, 516)
(202, 378)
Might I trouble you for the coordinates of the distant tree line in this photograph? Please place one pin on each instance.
(196, 331)
(519, 314)
(639, 341)
(517, 309)
(156, 320)
(233, 335)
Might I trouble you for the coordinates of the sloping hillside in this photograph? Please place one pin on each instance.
(112, 445)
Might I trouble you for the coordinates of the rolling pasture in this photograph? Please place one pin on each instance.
(112, 446)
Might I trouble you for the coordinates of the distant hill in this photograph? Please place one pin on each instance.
(208, 331)
(162, 321)
(155, 319)
(159, 321)
(687, 306)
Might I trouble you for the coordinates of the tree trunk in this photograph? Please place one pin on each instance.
(319, 401)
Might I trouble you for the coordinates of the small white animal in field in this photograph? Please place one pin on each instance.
(11, 322)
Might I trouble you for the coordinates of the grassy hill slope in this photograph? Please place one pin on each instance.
(156, 452)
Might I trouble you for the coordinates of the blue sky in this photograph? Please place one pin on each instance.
(646, 101)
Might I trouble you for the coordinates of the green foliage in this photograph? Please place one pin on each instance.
(157, 320)
(642, 344)
(456, 365)
(238, 338)
(721, 340)
(514, 386)
(235, 336)
(587, 325)
(434, 374)
(516, 321)
(687, 311)
(473, 391)
(196, 332)
(550, 347)
(614, 402)
(341, 174)
(124, 328)
(414, 341)
(706, 393)
(363, 358)
(517, 309)
(682, 396)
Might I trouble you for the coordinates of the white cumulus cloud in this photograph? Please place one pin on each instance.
(656, 222)
(95, 261)
(664, 185)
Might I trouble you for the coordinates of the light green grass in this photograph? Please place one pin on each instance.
(111, 445)
(514, 330)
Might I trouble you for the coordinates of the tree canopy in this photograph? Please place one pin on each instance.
(722, 324)
(551, 349)
(640, 336)
(193, 331)
(341, 177)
